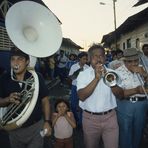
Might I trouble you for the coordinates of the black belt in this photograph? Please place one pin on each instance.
(135, 99)
(100, 113)
(27, 124)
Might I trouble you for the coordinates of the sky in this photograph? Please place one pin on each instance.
(86, 21)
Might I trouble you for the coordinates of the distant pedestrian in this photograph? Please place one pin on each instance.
(63, 122)
(61, 67)
(51, 62)
(118, 61)
(70, 62)
(73, 73)
(131, 110)
(145, 55)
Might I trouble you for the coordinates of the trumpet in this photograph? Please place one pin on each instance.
(110, 78)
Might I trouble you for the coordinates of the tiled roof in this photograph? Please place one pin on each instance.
(141, 2)
(130, 24)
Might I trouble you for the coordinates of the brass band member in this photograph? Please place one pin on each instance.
(98, 102)
(28, 135)
(132, 109)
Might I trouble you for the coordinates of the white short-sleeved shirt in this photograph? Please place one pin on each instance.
(115, 64)
(102, 99)
(129, 80)
(74, 68)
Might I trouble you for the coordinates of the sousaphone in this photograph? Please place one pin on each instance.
(36, 31)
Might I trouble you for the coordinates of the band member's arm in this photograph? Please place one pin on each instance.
(143, 73)
(12, 98)
(46, 112)
(139, 89)
(4, 102)
(118, 91)
(85, 92)
(133, 91)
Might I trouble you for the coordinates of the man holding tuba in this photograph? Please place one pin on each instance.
(13, 88)
(131, 110)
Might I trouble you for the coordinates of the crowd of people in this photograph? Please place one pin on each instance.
(111, 113)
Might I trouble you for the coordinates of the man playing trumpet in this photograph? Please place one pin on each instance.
(131, 110)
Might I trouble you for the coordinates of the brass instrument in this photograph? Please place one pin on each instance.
(110, 78)
(36, 31)
(143, 84)
(15, 115)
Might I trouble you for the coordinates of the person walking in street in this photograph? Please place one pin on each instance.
(118, 61)
(61, 67)
(74, 100)
(145, 55)
(63, 122)
(131, 110)
(98, 102)
(13, 86)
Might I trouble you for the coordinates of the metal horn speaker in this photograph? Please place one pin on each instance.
(33, 28)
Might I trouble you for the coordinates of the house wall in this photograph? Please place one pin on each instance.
(69, 50)
(136, 38)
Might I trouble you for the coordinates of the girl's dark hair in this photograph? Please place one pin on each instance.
(60, 100)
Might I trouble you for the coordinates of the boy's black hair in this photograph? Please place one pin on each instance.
(17, 52)
(145, 45)
(60, 100)
(82, 54)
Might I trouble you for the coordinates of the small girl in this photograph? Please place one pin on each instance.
(63, 122)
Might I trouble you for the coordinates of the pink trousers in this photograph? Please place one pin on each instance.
(100, 126)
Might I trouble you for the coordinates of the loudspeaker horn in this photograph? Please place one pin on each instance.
(33, 28)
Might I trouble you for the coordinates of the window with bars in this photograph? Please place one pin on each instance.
(5, 42)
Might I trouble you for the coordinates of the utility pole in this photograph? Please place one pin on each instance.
(115, 25)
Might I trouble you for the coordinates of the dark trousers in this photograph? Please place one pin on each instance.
(28, 137)
(74, 102)
(4, 139)
(61, 72)
(64, 143)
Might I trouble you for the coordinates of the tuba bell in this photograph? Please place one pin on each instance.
(36, 31)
